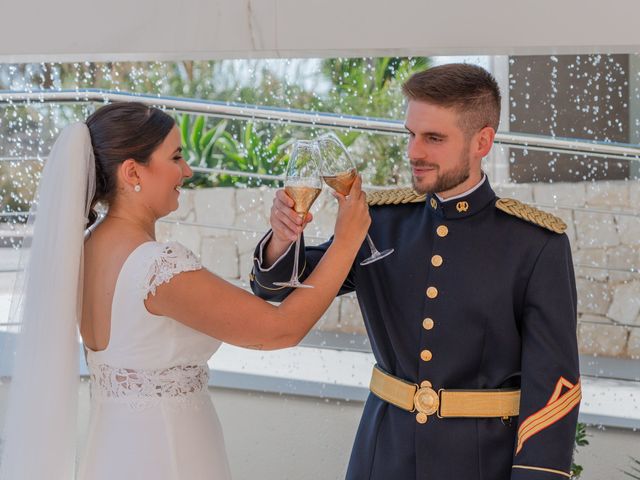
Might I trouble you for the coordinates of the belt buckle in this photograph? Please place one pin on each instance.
(426, 401)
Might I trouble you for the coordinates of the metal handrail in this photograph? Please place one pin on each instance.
(21, 159)
(237, 173)
(313, 119)
(224, 171)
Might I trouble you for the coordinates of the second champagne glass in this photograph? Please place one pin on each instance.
(303, 185)
(339, 172)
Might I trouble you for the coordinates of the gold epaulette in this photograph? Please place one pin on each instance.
(531, 214)
(394, 196)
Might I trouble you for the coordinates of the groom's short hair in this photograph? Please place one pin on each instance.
(468, 89)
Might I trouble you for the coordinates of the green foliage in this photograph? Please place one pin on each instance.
(635, 469)
(370, 86)
(218, 148)
(18, 181)
(373, 87)
(360, 86)
(255, 153)
(581, 441)
(199, 147)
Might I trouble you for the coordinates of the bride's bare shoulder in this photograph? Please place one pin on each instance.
(111, 245)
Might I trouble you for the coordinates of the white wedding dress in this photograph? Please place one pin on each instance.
(151, 414)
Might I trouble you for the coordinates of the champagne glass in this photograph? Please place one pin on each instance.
(303, 184)
(339, 172)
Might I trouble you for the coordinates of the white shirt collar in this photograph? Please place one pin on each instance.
(464, 194)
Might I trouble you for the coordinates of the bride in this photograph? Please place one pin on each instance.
(149, 314)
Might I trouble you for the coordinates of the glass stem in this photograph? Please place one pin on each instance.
(294, 274)
(374, 250)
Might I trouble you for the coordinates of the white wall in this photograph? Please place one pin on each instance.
(287, 437)
(274, 437)
(284, 437)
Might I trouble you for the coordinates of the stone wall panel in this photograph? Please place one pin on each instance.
(595, 230)
(517, 191)
(622, 257)
(606, 298)
(633, 344)
(628, 229)
(594, 297)
(215, 203)
(330, 321)
(591, 257)
(350, 316)
(607, 194)
(625, 306)
(607, 340)
(564, 194)
(220, 255)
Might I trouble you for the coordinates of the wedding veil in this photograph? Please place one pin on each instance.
(39, 440)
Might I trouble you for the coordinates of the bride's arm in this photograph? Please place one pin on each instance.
(210, 305)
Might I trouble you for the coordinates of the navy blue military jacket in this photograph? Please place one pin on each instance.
(503, 315)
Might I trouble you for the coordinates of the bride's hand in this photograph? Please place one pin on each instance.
(353, 218)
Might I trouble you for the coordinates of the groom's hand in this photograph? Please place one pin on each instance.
(286, 225)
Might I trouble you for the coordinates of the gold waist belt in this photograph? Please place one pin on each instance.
(445, 403)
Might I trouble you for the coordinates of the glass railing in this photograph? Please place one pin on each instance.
(602, 215)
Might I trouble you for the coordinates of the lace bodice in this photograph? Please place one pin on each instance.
(112, 382)
(144, 388)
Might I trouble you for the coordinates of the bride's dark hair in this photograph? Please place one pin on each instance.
(120, 131)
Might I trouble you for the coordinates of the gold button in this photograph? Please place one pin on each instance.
(432, 292)
(442, 231)
(425, 384)
(422, 418)
(427, 323)
(426, 355)
(436, 260)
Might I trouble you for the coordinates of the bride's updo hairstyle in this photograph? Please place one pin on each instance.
(120, 131)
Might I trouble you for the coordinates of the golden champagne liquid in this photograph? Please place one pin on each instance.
(303, 197)
(341, 182)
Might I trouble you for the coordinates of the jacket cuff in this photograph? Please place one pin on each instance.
(531, 472)
(262, 279)
(259, 254)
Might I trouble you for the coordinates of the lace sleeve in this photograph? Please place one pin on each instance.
(171, 260)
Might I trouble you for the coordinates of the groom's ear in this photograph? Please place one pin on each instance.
(128, 172)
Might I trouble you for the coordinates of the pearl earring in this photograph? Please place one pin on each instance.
(137, 188)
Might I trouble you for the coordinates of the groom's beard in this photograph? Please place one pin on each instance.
(444, 181)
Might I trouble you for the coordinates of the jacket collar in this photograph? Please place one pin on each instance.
(464, 205)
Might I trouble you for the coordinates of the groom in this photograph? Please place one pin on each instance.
(472, 320)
